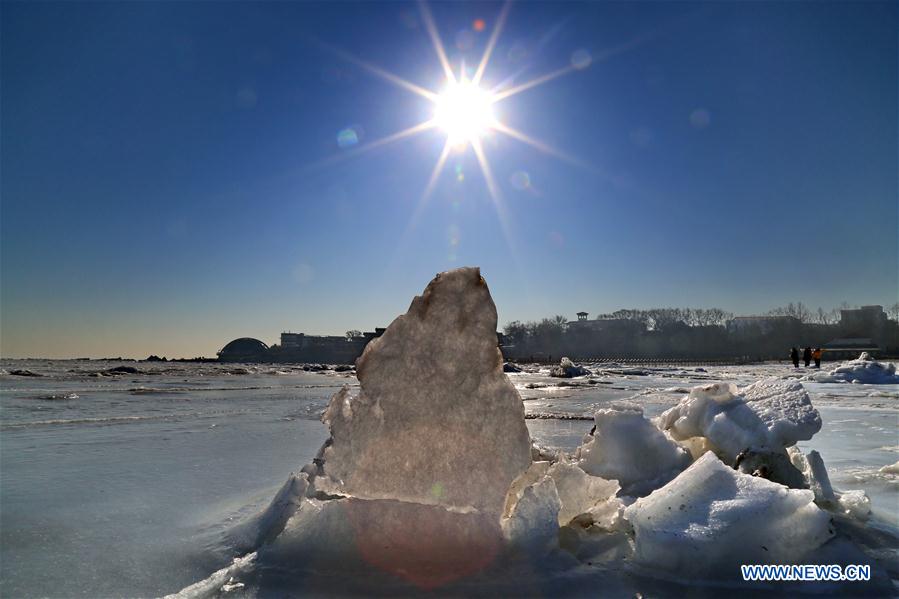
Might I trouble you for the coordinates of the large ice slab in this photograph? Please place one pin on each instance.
(768, 415)
(711, 519)
(626, 447)
(436, 421)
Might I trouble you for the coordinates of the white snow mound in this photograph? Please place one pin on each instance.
(711, 518)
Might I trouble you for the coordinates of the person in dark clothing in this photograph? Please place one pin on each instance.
(816, 356)
(807, 356)
(794, 355)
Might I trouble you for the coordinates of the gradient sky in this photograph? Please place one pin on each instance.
(166, 184)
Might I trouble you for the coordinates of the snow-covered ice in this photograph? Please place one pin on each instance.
(863, 370)
(628, 448)
(770, 415)
(568, 369)
(711, 519)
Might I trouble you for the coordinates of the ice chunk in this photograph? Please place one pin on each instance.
(436, 421)
(770, 414)
(531, 525)
(711, 518)
(855, 504)
(890, 469)
(863, 370)
(628, 448)
(580, 493)
(786, 410)
(568, 369)
(816, 477)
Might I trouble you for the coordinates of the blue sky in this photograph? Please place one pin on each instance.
(168, 183)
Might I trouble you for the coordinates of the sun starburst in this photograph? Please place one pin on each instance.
(463, 110)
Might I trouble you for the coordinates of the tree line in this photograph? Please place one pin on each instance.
(681, 331)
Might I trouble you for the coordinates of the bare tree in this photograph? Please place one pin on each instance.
(893, 312)
(718, 316)
(353, 334)
(516, 332)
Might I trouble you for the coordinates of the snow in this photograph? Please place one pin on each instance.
(627, 447)
(711, 519)
(862, 370)
(767, 415)
(408, 434)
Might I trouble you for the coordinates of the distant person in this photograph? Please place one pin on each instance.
(807, 356)
(816, 356)
(794, 355)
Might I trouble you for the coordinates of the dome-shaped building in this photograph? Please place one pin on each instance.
(245, 349)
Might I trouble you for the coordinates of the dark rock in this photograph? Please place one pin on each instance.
(510, 367)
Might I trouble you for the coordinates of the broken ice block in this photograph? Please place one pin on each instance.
(711, 518)
(436, 421)
(628, 448)
(771, 414)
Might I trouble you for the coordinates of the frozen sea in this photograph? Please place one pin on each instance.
(119, 484)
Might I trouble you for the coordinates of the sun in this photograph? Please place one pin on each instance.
(464, 111)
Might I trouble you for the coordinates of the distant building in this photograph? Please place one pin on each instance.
(245, 349)
(302, 341)
(604, 325)
(867, 319)
(850, 347)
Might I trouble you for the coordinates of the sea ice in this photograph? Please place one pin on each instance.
(812, 468)
(855, 504)
(711, 518)
(580, 493)
(269, 523)
(626, 447)
(531, 523)
(436, 421)
(568, 369)
(768, 415)
(864, 370)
